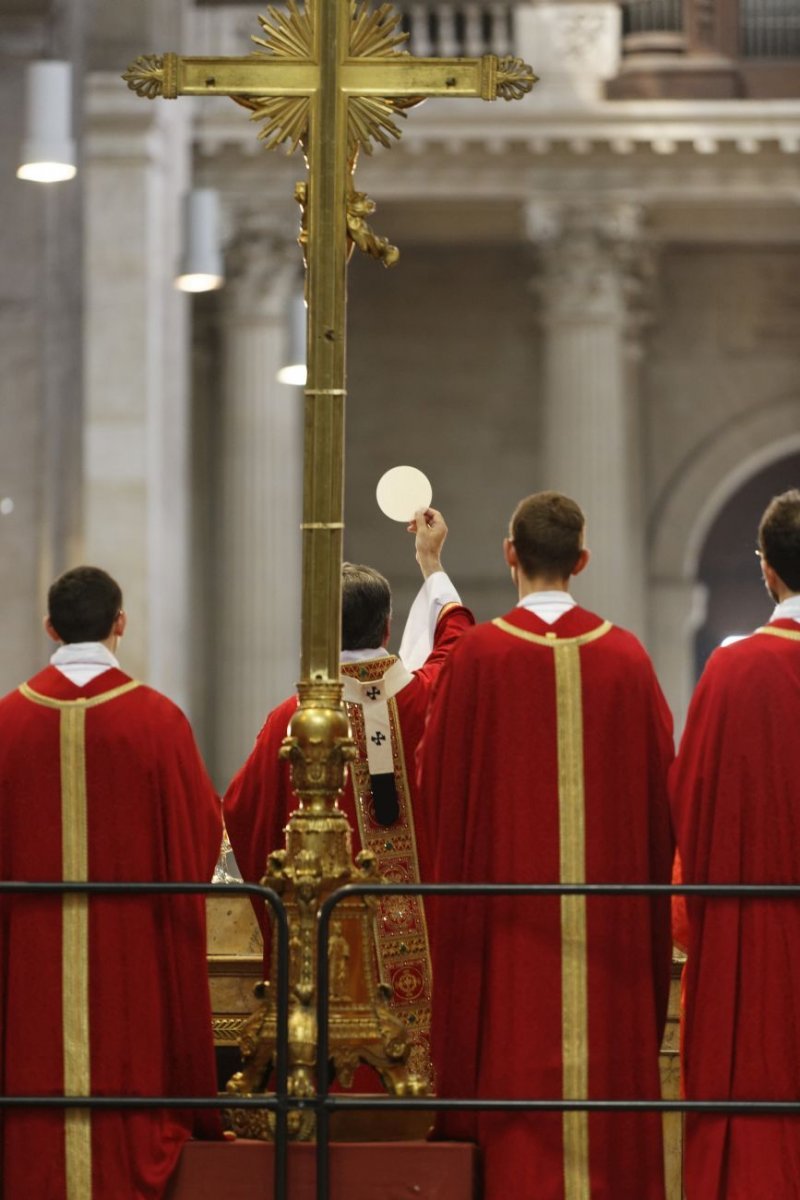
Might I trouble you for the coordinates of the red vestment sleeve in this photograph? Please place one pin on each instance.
(454, 620)
(257, 805)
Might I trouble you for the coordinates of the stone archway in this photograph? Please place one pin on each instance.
(680, 520)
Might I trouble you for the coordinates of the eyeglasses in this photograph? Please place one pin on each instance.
(759, 554)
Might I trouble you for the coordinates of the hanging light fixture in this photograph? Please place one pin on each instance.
(294, 371)
(201, 268)
(48, 151)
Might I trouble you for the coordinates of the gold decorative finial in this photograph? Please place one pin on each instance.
(514, 78)
(146, 76)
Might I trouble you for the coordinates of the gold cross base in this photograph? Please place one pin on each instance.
(363, 1028)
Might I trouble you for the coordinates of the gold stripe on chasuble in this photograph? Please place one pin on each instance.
(401, 929)
(75, 932)
(572, 869)
(75, 954)
(775, 631)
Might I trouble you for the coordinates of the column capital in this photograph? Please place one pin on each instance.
(263, 265)
(596, 259)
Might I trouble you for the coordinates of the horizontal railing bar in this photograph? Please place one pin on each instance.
(732, 890)
(338, 1102)
(131, 886)
(325, 1104)
(233, 1101)
(746, 890)
(432, 1103)
(278, 1101)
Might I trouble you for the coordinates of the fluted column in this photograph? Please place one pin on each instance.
(257, 603)
(137, 417)
(594, 262)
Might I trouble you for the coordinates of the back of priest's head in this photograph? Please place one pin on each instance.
(779, 537)
(547, 532)
(366, 607)
(83, 605)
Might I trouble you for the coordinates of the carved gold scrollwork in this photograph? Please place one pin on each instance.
(359, 233)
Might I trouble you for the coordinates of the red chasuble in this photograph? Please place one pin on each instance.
(260, 799)
(544, 761)
(103, 995)
(736, 807)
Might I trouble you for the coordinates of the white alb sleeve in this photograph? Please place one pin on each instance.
(417, 641)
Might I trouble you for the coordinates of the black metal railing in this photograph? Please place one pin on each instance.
(323, 1103)
(279, 1102)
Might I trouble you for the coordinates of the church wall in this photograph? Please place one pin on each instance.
(721, 356)
(726, 343)
(721, 392)
(443, 375)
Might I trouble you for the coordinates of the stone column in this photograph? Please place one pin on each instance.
(258, 559)
(41, 298)
(136, 439)
(593, 262)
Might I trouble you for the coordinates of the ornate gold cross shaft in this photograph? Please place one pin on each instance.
(330, 77)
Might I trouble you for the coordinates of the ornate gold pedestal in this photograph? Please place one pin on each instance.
(317, 860)
(234, 963)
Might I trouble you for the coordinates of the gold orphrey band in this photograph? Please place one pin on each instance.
(572, 869)
(574, 971)
(75, 932)
(75, 955)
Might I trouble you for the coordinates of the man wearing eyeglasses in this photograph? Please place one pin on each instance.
(736, 808)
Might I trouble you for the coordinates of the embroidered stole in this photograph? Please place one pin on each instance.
(402, 949)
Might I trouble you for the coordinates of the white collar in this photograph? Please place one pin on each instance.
(788, 609)
(90, 654)
(348, 656)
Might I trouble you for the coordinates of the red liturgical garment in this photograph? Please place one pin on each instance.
(545, 760)
(736, 807)
(260, 799)
(104, 995)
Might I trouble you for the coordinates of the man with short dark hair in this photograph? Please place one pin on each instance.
(366, 607)
(545, 760)
(736, 808)
(386, 705)
(100, 780)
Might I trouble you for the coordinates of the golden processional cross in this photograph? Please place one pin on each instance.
(331, 78)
